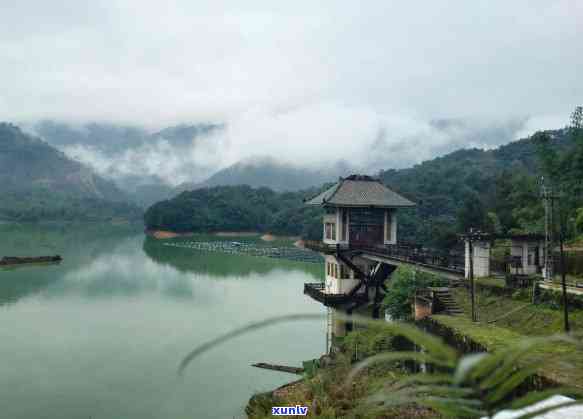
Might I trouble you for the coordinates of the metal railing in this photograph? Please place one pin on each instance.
(418, 255)
(316, 290)
(408, 253)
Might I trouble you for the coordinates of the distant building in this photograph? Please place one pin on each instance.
(527, 253)
(360, 213)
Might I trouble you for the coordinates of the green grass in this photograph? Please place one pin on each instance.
(492, 282)
(503, 321)
(529, 320)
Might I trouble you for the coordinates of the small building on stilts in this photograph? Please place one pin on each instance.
(360, 217)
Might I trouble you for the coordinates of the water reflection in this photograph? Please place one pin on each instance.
(78, 245)
(101, 334)
(18, 283)
(124, 272)
(221, 264)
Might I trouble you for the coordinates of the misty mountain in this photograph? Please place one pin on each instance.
(144, 164)
(114, 138)
(440, 187)
(268, 172)
(38, 182)
(184, 134)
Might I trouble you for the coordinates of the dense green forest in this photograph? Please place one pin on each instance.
(237, 208)
(494, 190)
(39, 183)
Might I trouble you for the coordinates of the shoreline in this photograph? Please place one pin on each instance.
(266, 237)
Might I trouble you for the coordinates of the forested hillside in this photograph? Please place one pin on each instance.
(237, 208)
(39, 183)
(495, 189)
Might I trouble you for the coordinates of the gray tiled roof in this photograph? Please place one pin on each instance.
(360, 191)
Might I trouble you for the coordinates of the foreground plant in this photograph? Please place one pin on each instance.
(467, 386)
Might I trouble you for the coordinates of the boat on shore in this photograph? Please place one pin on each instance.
(14, 260)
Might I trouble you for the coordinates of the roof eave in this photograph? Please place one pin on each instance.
(334, 204)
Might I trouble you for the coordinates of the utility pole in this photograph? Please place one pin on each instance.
(471, 275)
(548, 203)
(563, 274)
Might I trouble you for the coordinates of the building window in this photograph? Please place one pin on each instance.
(330, 231)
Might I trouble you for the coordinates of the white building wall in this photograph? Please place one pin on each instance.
(530, 256)
(522, 249)
(481, 251)
(339, 285)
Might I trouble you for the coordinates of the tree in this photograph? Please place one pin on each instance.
(548, 156)
(493, 224)
(404, 282)
(471, 214)
(577, 118)
(579, 221)
(443, 236)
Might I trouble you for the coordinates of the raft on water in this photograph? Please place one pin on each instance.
(13, 260)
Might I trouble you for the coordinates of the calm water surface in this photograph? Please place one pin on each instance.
(101, 335)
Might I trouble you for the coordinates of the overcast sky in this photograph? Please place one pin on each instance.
(289, 77)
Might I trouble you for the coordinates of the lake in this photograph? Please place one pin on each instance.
(101, 335)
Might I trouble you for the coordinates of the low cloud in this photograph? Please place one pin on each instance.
(308, 83)
(318, 136)
(157, 160)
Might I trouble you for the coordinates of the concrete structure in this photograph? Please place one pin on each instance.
(360, 214)
(340, 279)
(527, 254)
(360, 210)
(481, 257)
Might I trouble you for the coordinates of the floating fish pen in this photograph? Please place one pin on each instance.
(244, 248)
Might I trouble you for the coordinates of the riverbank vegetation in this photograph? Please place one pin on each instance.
(237, 208)
(326, 393)
(402, 286)
(371, 375)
